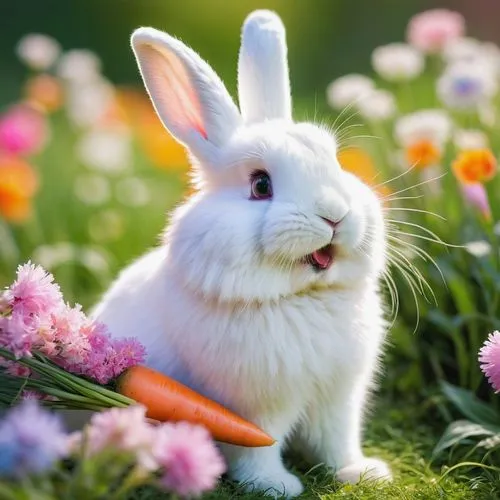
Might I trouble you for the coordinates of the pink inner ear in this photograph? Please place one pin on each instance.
(175, 98)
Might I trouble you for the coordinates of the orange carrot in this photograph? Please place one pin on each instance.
(166, 399)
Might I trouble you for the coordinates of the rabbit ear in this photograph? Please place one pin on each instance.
(188, 96)
(263, 81)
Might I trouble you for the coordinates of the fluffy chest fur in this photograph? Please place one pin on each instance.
(266, 355)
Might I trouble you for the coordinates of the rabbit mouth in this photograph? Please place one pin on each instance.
(321, 259)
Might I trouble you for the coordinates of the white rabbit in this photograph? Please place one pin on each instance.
(264, 294)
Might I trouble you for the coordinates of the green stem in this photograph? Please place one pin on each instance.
(67, 380)
(133, 480)
(58, 405)
(62, 395)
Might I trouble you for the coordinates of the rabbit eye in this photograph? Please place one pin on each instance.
(261, 186)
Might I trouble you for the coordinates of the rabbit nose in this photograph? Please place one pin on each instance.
(332, 223)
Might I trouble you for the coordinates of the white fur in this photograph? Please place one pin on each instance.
(263, 82)
(226, 306)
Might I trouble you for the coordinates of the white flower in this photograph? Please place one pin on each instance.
(491, 55)
(429, 124)
(470, 139)
(398, 62)
(466, 85)
(474, 51)
(92, 189)
(479, 248)
(348, 89)
(462, 49)
(379, 105)
(38, 51)
(133, 192)
(87, 103)
(105, 150)
(79, 65)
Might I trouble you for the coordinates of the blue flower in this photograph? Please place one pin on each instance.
(31, 440)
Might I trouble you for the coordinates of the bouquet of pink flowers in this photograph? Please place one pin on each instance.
(53, 351)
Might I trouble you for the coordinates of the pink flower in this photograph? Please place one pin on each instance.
(431, 30)
(477, 196)
(128, 352)
(33, 395)
(190, 460)
(23, 130)
(107, 357)
(126, 430)
(34, 292)
(17, 370)
(16, 336)
(489, 359)
(67, 324)
(35, 318)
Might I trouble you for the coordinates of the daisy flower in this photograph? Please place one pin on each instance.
(348, 90)
(378, 105)
(466, 85)
(470, 139)
(423, 135)
(38, 51)
(397, 62)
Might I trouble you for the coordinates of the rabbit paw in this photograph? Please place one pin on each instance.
(281, 484)
(367, 468)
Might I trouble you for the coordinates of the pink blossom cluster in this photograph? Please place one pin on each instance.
(432, 30)
(185, 454)
(489, 359)
(23, 130)
(35, 318)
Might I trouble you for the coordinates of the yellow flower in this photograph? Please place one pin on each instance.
(475, 165)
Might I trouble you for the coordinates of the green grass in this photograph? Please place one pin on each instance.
(404, 436)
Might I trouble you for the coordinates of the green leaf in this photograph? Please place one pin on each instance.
(470, 406)
(459, 431)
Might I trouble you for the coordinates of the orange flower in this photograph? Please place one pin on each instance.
(44, 91)
(475, 165)
(360, 163)
(161, 148)
(423, 153)
(18, 184)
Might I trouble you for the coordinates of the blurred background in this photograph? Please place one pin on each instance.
(326, 38)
